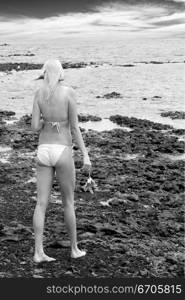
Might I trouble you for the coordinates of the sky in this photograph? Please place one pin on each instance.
(53, 18)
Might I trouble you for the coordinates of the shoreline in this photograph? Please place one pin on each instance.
(134, 219)
(151, 103)
(24, 66)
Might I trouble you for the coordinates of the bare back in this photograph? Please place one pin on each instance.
(56, 109)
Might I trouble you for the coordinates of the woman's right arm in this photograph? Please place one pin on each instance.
(36, 122)
(75, 130)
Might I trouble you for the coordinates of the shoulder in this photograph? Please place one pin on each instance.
(37, 94)
(68, 89)
(69, 92)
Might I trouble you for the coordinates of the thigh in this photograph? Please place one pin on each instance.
(44, 182)
(65, 171)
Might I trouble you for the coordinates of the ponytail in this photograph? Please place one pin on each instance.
(53, 73)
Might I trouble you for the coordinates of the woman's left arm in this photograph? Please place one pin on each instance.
(36, 122)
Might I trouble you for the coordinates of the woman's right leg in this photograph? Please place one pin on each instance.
(44, 183)
(65, 171)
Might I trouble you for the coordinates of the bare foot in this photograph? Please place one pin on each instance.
(42, 258)
(77, 253)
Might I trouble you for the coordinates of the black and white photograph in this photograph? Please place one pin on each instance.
(92, 136)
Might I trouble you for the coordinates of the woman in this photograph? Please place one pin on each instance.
(55, 116)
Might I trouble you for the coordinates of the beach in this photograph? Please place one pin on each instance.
(131, 226)
(147, 73)
(131, 115)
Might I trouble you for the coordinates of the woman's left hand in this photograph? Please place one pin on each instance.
(87, 163)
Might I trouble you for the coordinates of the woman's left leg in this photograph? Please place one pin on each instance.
(44, 184)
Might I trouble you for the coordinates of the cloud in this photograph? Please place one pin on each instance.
(169, 22)
(142, 18)
(180, 1)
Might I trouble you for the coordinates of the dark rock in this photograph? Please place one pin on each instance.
(25, 121)
(6, 114)
(174, 114)
(86, 118)
(171, 259)
(17, 54)
(156, 97)
(133, 197)
(138, 123)
(78, 65)
(110, 95)
(126, 65)
(110, 231)
(27, 140)
(178, 131)
(59, 244)
(88, 228)
(156, 62)
(4, 67)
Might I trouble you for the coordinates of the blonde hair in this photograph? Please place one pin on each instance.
(53, 73)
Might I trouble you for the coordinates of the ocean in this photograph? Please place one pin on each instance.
(157, 74)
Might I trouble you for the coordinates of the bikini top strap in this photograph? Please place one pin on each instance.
(55, 124)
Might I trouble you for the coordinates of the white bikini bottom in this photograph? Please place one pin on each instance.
(49, 154)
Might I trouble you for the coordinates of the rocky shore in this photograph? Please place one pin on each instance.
(132, 226)
(7, 67)
(24, 66)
